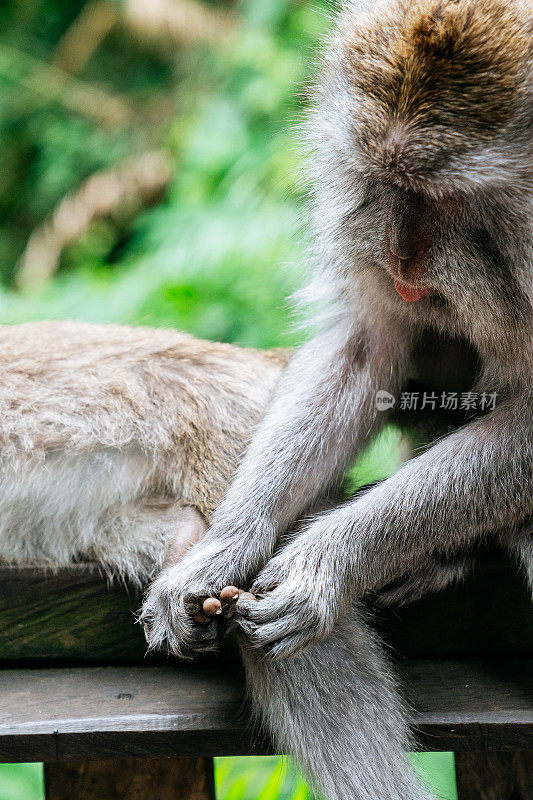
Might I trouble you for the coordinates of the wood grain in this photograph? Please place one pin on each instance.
(61, 715)
(153, 779)
(75, 617)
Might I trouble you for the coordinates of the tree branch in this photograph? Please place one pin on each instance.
(132, 185)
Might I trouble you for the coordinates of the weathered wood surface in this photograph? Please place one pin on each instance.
(153, 779)
(76, 617)
(494, 776)
(61, 715)
(472, 704)
(74, 614)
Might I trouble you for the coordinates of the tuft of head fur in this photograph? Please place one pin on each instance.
(437, 79)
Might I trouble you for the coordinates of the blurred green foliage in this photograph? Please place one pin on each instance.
(221, 252)
(218, 254)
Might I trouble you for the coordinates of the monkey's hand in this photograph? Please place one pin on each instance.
(173, 612)
(292, 603)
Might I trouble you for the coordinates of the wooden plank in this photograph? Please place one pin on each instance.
(139, 712)
(471, 704)
(494, 776)
(125, 779)
(73, 614)
(116, 712)
(75, 617)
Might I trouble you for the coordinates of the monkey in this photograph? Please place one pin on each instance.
(420, 169)
(118, 442)
(117, 445)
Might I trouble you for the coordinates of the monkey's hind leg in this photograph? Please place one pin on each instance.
(138, 538)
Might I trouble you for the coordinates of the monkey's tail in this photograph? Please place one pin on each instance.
(336, 711)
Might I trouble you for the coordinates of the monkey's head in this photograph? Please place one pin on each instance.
(423, 148)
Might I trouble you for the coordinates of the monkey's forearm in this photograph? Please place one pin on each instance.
(469, 485)
(324, 412)
(475, 482)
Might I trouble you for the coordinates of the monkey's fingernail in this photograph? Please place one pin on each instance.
(201, 619)
(192, 608)
(212, 607)
(229, 593)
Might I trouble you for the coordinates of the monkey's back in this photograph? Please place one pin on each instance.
(187, 405)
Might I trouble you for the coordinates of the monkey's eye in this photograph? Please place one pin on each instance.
(368, 196)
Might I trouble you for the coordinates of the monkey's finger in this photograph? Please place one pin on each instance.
(204, 639)
(265, 609)
(284, 646)
(268, 633)
(272, 632)
(204, 633)
(247, 627)
(212, 607)
(194, 600)
(246, 603)
(252, 607)
(264, 584)
(193, 607)
(230, 594)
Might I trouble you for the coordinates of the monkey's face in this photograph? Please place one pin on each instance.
(423, 159)
(464, 252)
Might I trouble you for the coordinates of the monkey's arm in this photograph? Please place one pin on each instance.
(472, 484)
(324, 411)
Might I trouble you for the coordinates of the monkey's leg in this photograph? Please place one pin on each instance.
(432, 576)
(138, 538)
(336, 710)
(190, 528)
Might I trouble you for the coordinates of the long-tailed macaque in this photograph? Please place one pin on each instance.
(118, 443)
(421, 168)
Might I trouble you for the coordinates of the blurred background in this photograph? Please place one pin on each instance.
(148, 175)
